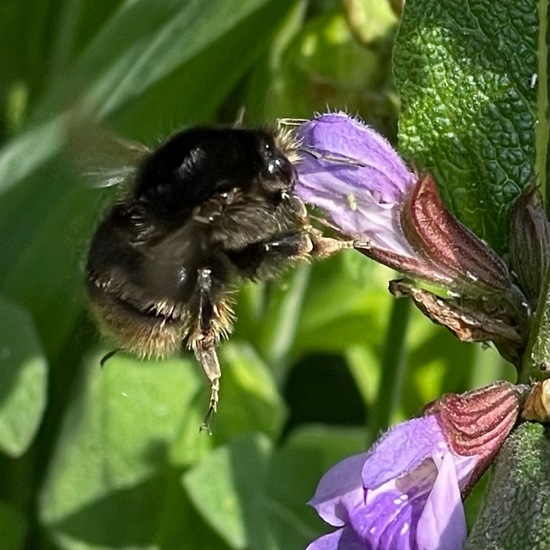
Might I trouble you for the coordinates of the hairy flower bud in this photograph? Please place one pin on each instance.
(530, 243)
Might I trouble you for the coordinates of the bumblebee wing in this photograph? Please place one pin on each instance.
(99, 155)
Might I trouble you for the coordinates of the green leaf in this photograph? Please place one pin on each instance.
(43, 250)
(14, 527)
(284, 310)
(318, 448)
(151, 48)
(465, 73)
(516, 512)
(29, 150)
(370, 20)
(325, 66)
(181, 526)
(250, 400)
(255, 498)
(23, 379)
(167, 62)
(340, 309)
(226, 488)
(113, 451)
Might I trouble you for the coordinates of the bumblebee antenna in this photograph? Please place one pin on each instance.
(342, 159)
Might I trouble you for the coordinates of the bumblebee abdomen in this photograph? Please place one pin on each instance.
(145, 335)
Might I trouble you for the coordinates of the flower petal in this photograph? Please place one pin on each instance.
(343, 539)
(389, 517)
(340, 490)
(395, 513)
(352, 174)
(375, 166)
(387, 460)
(414, 479)
(443, 515)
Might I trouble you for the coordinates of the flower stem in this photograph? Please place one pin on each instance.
(393, 366)
(536, 359)
(543, 143)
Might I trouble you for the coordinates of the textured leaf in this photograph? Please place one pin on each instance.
(23, 379)
(465, 73)
(516, 512)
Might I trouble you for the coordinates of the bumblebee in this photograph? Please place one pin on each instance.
(207, 210)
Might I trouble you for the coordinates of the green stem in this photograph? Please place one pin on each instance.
(278, 337)
(393, 366)
(543, 143)
(537, 356)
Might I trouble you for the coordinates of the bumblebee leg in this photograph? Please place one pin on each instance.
(205, 340)
(322, 246)
(206, 355)
(256, 256)
(107, 356)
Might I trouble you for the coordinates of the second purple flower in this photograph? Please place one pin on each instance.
(406, 492)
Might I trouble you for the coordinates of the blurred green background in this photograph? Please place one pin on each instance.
(320, 361)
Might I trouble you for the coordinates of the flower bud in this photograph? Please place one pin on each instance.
(530, 243)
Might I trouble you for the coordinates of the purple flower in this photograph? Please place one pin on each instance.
(397, 218)
(353, 174)
(406, 492)
(355, 177)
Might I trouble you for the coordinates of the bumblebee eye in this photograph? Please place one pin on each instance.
(276, 164)
(279, 166)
